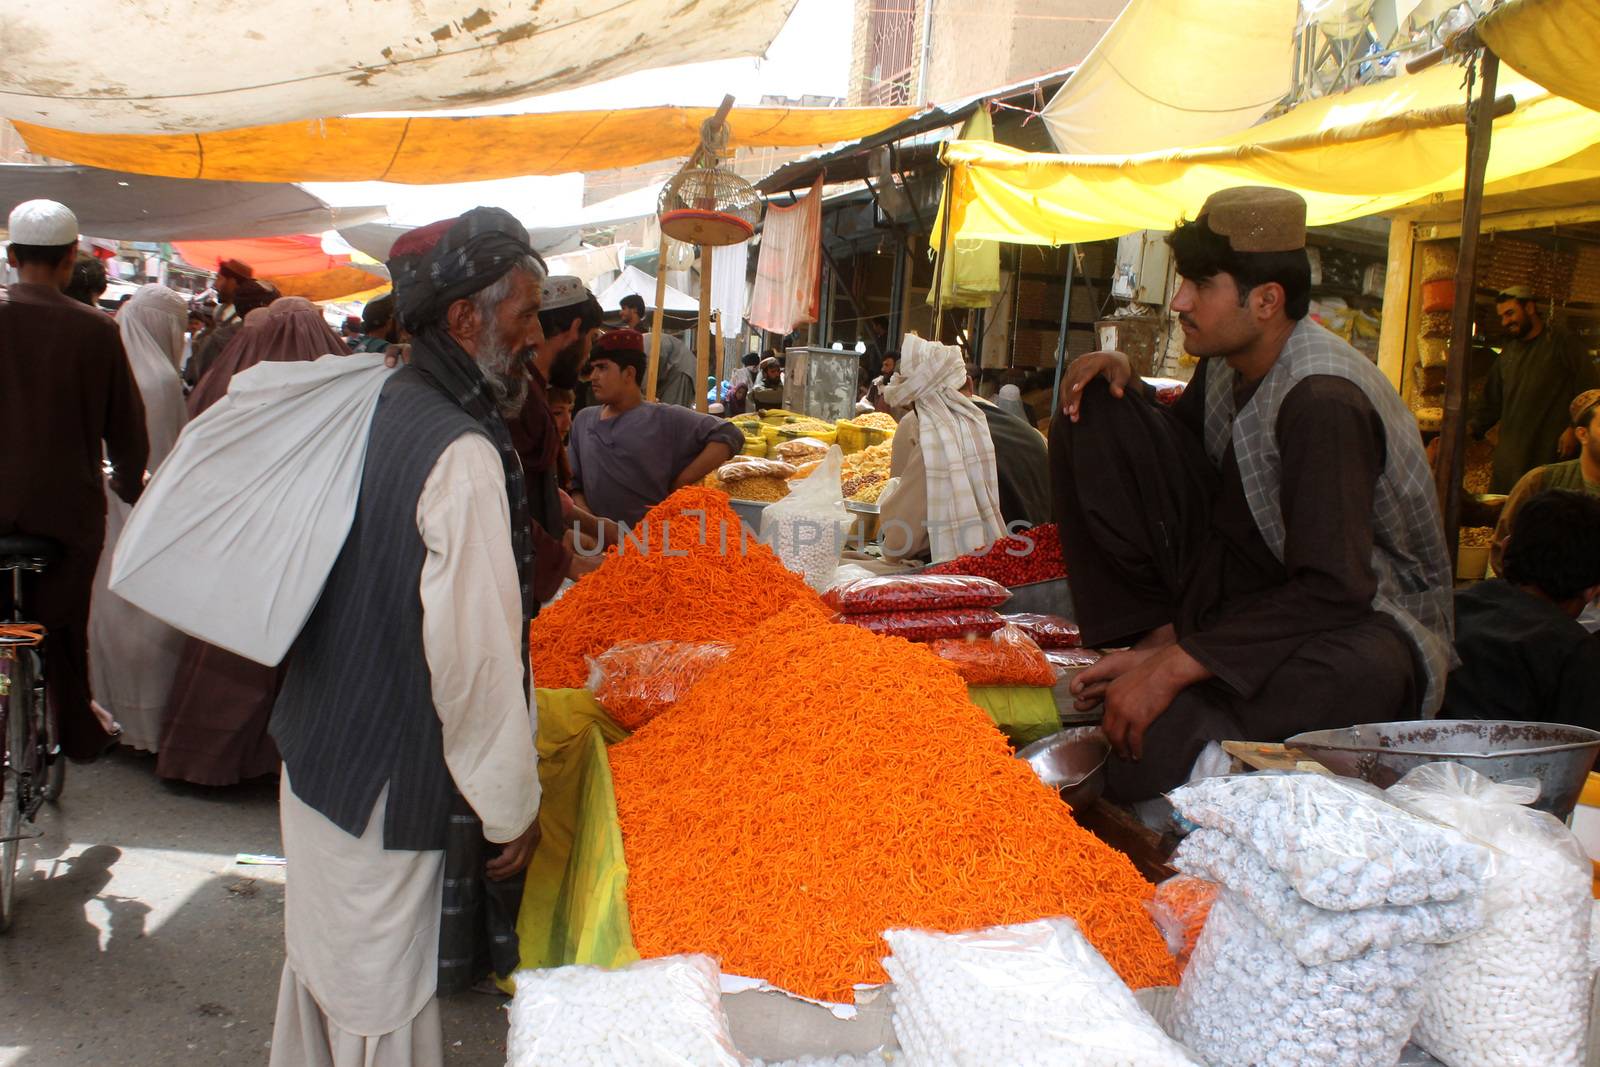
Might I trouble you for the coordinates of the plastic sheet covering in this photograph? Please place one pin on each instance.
(1153, 80)
(1374, 149)
(1551, 41)
(294, 62)
(422, 151)
(574, 900)
(1025, 714)
(970, 274)
(789, 268)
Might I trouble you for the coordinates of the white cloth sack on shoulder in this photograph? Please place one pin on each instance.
(234, 537)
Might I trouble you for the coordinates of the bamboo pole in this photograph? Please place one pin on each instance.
(722, 350)
(1453, 431)
(703, 337)
(655, 325)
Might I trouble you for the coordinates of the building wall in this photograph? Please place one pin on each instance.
(974, 46)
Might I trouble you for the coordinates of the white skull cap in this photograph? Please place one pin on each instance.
(43, 222)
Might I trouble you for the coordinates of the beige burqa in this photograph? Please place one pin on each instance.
(132, 655)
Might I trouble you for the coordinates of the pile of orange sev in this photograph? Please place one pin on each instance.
(687, 574)
(780, 819)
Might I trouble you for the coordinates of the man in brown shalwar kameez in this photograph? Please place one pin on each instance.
(65, 387)
(1270, 546)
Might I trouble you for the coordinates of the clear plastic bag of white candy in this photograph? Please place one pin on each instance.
(1245, 999)
(1341, 843)
(663, 1012)
(1030, 994)
(1317, 935)
(1515, 994)
(808, 528)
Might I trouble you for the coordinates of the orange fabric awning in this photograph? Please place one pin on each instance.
(296, 265)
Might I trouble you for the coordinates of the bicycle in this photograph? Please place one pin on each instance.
(34, 767)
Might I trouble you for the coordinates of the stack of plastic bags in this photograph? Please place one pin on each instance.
(663, 1012)
(1334, 900)
(1031, 994)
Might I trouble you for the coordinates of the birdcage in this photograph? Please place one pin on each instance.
(706, 203)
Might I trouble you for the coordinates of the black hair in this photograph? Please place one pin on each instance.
(1586, 416)
(559, 320)
(972, 371)
(377, 312)
(624, 358)
(1555, 544)
(752, 359)
(42, 255)
(891, 354)
(634, 301)
(1201, 253)
(88, 280)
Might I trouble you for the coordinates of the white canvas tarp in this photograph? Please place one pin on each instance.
(635, 281)
(190, 65)
(136, 207)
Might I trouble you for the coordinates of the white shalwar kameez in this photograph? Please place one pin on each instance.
(361, 923)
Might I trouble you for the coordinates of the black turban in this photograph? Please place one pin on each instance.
(438, 264)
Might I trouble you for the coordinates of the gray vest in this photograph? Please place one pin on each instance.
(356, 711)
(1409, 555)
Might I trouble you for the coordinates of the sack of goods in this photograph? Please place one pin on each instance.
(656, 1013)
(1006, 657)
(914, 592)
(1032, 994)
(1516, 993)
(1334, 901)
(809, 527)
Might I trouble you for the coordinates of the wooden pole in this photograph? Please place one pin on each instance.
(1066, 329)
(939, 261)
(722, 350)
(655, 324)
(703, 338)
(1453, 432)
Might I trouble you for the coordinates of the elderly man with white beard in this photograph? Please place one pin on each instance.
(405, 714)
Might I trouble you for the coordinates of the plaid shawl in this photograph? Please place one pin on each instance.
(1409, 554)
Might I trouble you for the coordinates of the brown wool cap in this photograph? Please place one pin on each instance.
(1257, 218)
(1583, 402)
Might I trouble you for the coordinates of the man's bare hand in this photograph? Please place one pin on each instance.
(1112, 366)
(1142, 695)
(395, 355)
(1089, 687)
(514, 855)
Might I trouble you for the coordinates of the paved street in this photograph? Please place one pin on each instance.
(138, 941)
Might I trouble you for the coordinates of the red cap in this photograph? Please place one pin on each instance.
(623, 340)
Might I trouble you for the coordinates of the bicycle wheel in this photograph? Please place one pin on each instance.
(52, 777)
(14, 716)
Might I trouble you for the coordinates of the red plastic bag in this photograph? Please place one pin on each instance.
(1006, 657)
(1048, 631)
(928, 625)
(1180, 908)
(637, 680)
(915, 592)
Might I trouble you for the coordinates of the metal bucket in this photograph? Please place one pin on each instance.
(1560, 757)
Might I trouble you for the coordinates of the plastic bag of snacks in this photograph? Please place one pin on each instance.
(1245, 999)
(800, 450)
(1022, 558)
(1006, 657)
(915, 592)
(1070, 660)
(1032, 994)
(1515, 994)
(637, 680)
(929, 625)
(747, 467)
(809, 527)
(1180, 907)
(1048, 631)
(1316, 935)
(656, 1013)
(1339, 842)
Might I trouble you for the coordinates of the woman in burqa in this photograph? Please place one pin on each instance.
(132, 655)
(216, 731)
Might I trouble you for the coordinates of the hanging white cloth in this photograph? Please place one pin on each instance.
(728, 268)
(957, 451)
(133, 655)
(789, 268)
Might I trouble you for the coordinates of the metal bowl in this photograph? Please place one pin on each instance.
(1560, 757)
(1072, 762)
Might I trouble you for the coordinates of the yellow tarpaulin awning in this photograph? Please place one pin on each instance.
(1553, 42)
(1371, 150)
(433, 150)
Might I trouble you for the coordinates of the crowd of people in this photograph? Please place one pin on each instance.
(1267, 550)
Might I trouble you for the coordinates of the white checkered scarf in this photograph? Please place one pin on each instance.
(1409, 554)
(963, 487)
